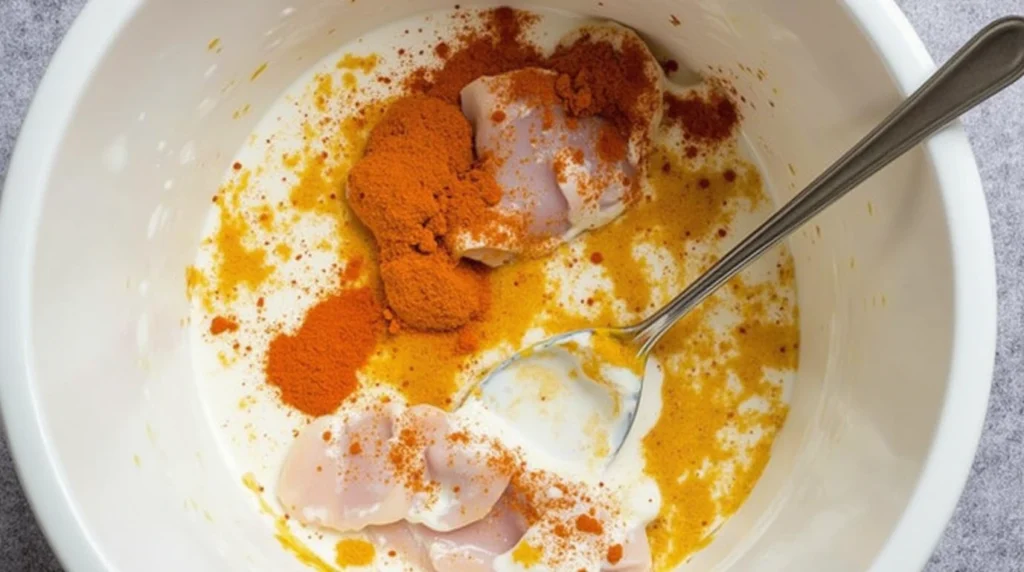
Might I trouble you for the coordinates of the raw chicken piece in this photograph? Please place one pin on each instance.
(418, 484)
(548, 165)
(402, 537)
(550, 173)
(466, 487)
(322, 482)
(472, 548)
(379, 465)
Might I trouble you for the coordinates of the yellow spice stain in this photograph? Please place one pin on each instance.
(283, 251)
(258, 72)
(611, 349)
(237, 264)
(315, 190)
(213, 45)
(349, 82)
(701, 402)
(282, 533)
(354, 552)
(426, 367)
(323, 92)
(197, 287)
(430, 367)
(364, 64)
(596, 428)
(265, 217)
(684, 206)
(548, 383)
(526, 554)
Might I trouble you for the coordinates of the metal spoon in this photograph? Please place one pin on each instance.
(989, 62)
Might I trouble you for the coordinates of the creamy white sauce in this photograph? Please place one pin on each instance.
(233, 394)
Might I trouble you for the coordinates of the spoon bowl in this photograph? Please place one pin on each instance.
(576, 394)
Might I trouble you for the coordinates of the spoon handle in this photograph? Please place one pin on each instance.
(990, 61)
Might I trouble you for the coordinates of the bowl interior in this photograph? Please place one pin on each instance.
(151, 136)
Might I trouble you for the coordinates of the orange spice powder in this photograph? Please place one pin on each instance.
(315, 368)
(499, 48)
(598, 78)
(220, 324)
(417, 183)
(589, 524)
(614, 553)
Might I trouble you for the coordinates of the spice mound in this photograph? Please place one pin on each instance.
(534, 157)
(417, 181)
(315, 368)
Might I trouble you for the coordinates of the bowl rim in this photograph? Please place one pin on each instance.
(953, 446)
(961, 422)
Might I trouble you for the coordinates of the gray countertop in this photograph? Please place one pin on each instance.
(987, 531)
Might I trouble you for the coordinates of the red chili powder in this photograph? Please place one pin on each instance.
(315, 368)
(220, 324)
(711, 119)
(589, 524)
(497, 49)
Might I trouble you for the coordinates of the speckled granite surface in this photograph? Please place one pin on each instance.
(987, 531)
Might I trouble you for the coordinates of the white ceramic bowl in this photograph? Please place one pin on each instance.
(897, 297)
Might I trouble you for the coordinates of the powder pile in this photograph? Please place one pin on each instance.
(416, 182)
(419, 182)
(597, 78)
(315, 368)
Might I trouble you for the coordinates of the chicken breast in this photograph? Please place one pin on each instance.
(337, 472)
(419, 484)
(560, 175)
(463, 483)
(382, 464)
